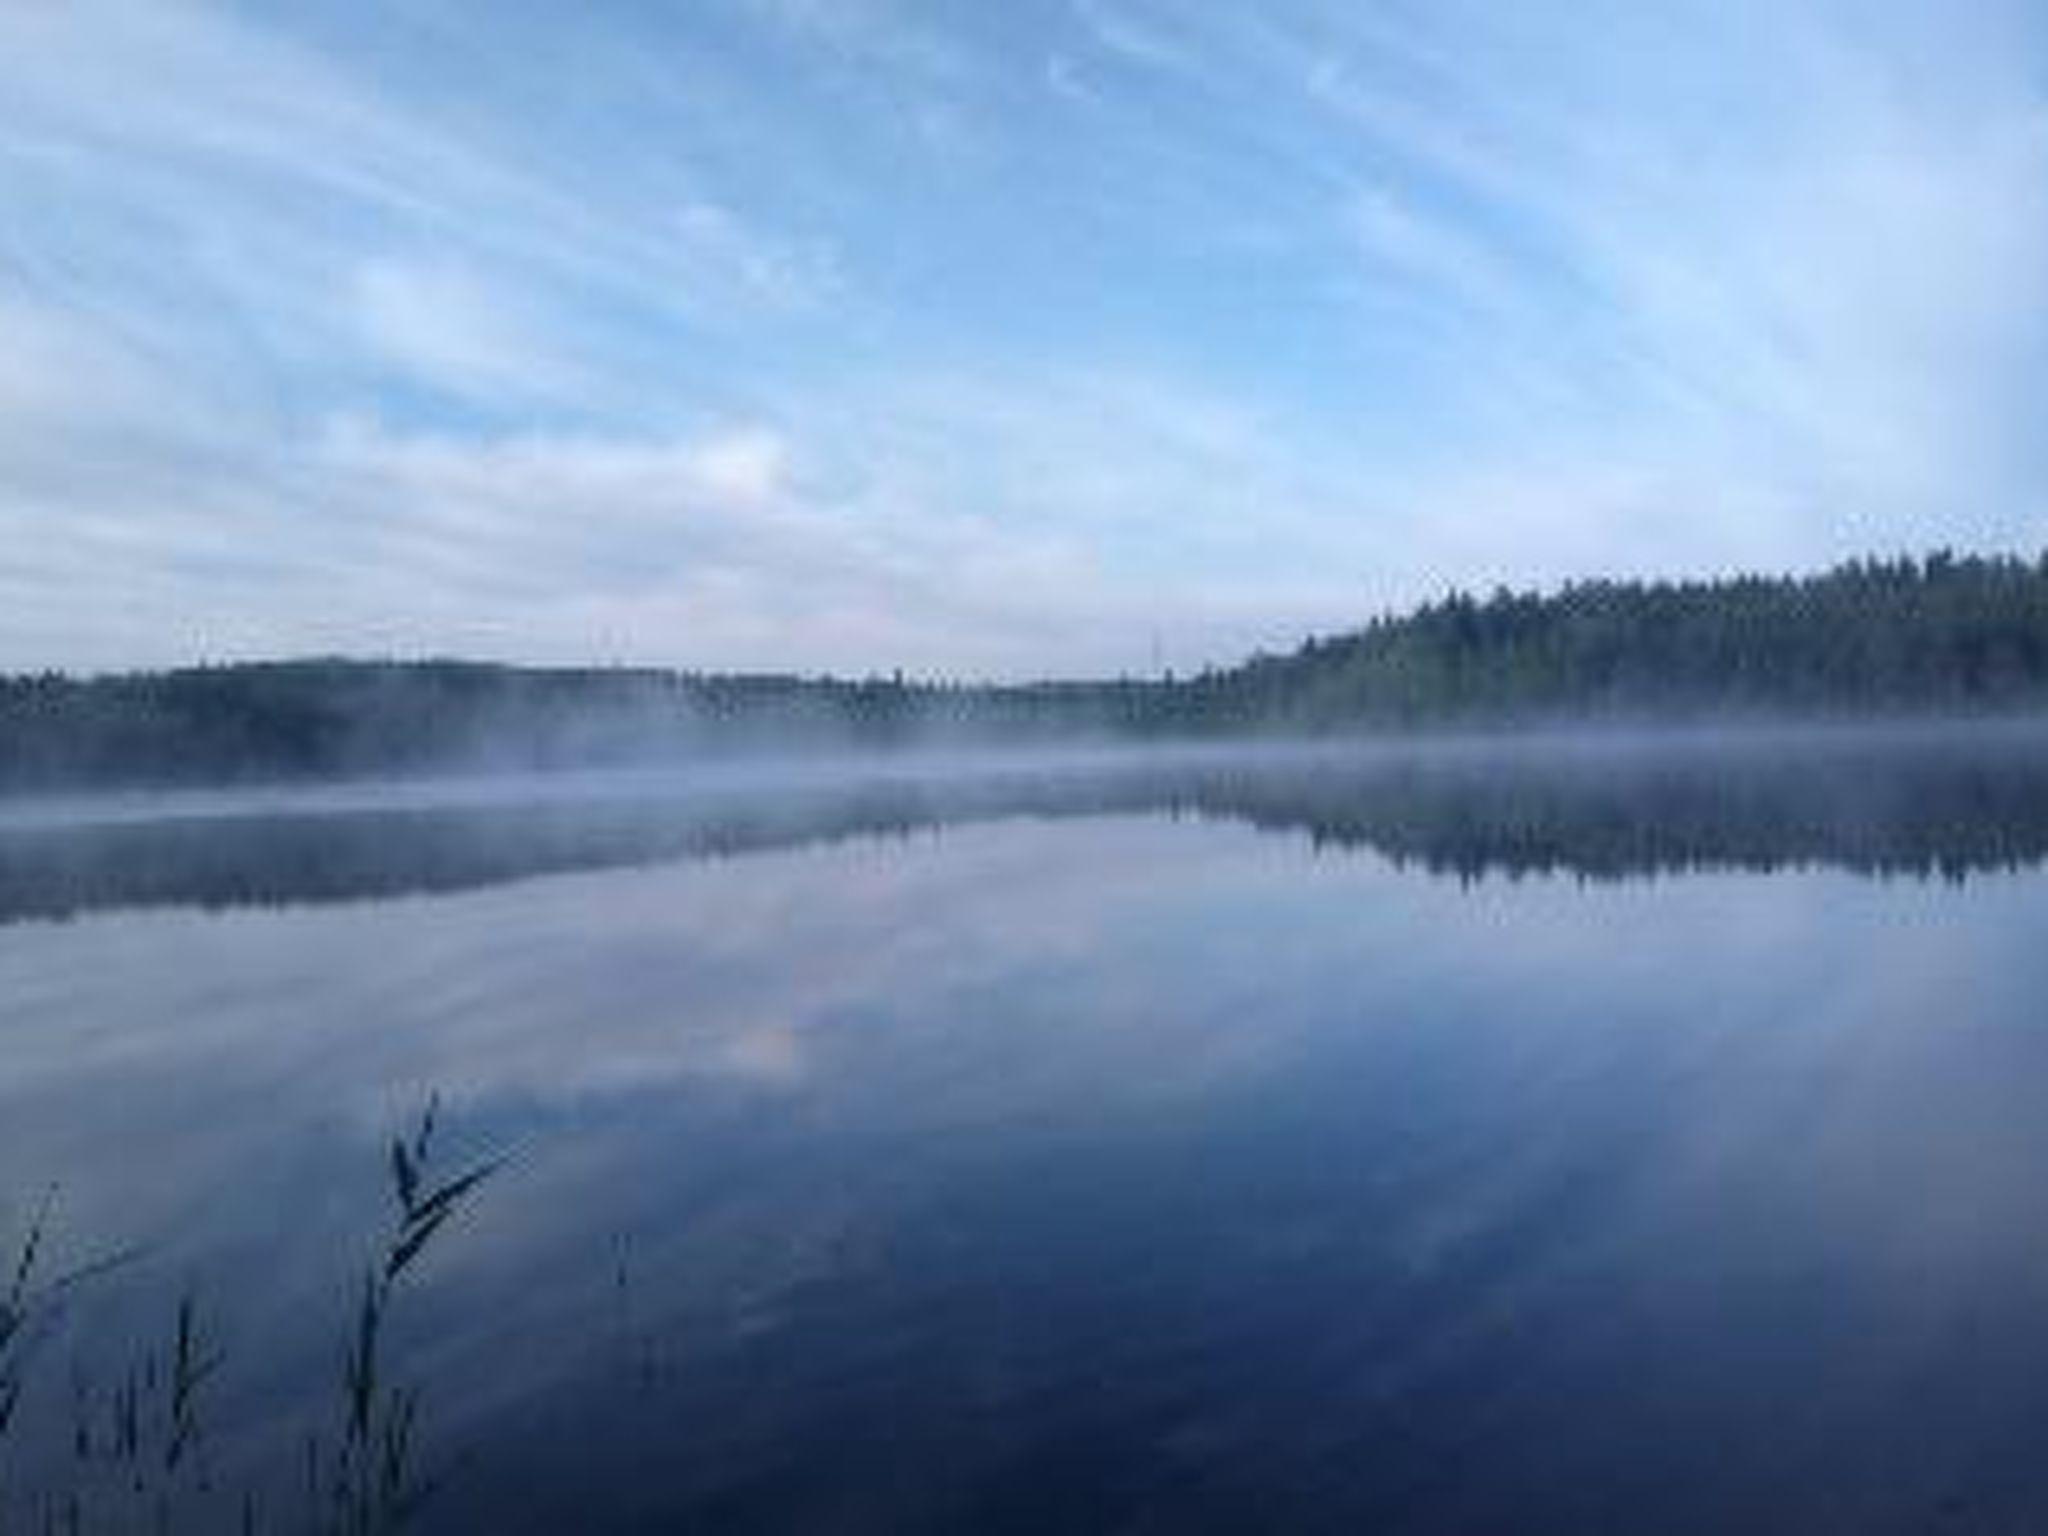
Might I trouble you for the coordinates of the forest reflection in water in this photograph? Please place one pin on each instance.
(1211, 1143)
(1912, 802)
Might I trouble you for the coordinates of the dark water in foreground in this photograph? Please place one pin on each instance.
(1640, 1140)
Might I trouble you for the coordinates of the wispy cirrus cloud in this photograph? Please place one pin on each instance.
(803, 334)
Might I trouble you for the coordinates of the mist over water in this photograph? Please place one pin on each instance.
(1948, 801)
(1617, 1133)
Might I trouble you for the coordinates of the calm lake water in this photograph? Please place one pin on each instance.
(1622, 1137)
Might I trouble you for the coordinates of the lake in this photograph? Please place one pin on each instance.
(1615, 1134)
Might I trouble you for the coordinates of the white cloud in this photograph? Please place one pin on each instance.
(1748, 251)
(443, 326)
(1126, 32)
(726, 263)
(745, 466)
(1429, 254)
(1310, 310)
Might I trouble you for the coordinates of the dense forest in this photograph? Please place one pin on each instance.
(1944, 634)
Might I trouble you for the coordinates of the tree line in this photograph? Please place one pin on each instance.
(1943, 633)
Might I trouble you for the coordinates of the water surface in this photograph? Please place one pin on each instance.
(1557, 1139)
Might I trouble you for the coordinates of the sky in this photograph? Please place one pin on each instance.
(988, 339)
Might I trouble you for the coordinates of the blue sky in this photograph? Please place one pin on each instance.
(988, 338)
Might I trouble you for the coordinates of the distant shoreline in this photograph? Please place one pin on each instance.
(1867, 644)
